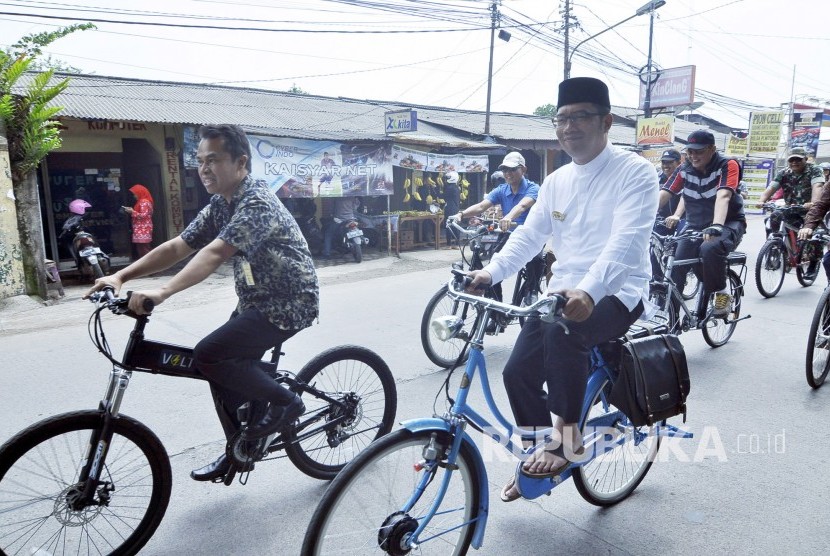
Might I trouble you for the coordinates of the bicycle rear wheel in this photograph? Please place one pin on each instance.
(445, 353)
(621, 464)
(818, 342)
(39, 480)
(718, 330)
(363, 507)
(362, 381)
(770, 267)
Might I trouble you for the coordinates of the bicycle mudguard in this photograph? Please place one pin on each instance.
(436, 424)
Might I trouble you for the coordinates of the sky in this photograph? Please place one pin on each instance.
(748, 54)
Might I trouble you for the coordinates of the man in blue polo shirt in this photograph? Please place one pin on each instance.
(515, 196)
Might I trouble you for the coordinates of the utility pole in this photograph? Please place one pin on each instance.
(567, 26)
(649, 82)
(494, 19)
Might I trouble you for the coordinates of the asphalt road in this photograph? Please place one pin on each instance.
(752, 481)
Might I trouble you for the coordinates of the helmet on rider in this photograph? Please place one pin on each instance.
(451, 177)
(79, 206)
(824, 166)
(497, 178)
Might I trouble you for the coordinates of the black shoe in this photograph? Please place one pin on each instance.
(216, 469)
(276, 418)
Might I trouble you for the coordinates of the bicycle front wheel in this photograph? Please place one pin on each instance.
(692, 287)
(614, 474)
(718, 330)
(818, 342)
(809, 262)
(40, 488)
(364, 510)
(770, 268)
(362, 382)
(445, 353)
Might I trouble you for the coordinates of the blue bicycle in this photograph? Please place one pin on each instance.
(423, 489)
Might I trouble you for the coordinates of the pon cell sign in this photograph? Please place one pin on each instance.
(400, 121)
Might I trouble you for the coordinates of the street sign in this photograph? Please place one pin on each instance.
(673, 87)
(400, 121)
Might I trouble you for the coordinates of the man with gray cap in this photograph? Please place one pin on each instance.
(597, 212)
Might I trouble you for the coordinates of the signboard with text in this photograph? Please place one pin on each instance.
(306, 168)
(673, 87)
(805, 129)
(655, 131)
(400, 121)
(764, 134)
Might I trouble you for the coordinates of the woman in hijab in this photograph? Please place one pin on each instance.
(142, 217)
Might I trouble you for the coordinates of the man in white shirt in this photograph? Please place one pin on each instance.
(597, 212)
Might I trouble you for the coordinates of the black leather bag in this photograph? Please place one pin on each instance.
(654, 379)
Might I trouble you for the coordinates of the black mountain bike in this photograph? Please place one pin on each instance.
(482, 241)
(98, 481)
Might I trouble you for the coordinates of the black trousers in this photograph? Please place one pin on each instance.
(229, 358)
(713, 254)
(544, 354)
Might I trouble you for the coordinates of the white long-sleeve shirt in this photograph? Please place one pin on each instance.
(598, 217)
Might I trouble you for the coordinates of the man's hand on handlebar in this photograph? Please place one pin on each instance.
(138, 303)
(579, 306)
(671, 221)
(505, 224)
(112, 281)
(712, 232)
(479, 280)
(805, 233)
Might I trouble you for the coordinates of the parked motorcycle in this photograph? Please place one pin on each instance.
(89, 259)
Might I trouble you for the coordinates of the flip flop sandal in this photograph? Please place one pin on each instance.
(505, 497)
(558, 452)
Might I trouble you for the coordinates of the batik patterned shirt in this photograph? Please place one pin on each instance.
(273, 269)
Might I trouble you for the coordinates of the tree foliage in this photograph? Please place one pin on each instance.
(548, 110)
(27, 121)
(31, 130)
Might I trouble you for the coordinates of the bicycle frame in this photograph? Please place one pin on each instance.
(455, 420)
(177, 361)
(698, 316)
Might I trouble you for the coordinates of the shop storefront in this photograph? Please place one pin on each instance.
(98, 162)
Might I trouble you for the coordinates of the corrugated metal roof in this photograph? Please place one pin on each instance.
(309, 116)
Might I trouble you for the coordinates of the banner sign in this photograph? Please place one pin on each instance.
(402, 120)
(305, 168)
(764, 133)
(655, 131)
(673, 87)
(737, 146)
(412, 159)
(824, 138)
(806, 128)
(757, 175)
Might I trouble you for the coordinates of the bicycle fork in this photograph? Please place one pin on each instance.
(83, 494)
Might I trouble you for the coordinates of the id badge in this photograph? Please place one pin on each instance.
(249, 274)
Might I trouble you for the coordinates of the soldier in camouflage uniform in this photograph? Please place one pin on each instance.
(798, 183)
(274, 276)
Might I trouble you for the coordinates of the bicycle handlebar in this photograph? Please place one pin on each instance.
(118, 305)
(549, 307)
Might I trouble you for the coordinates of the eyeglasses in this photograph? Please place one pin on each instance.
(577, 118)
(510, 170)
